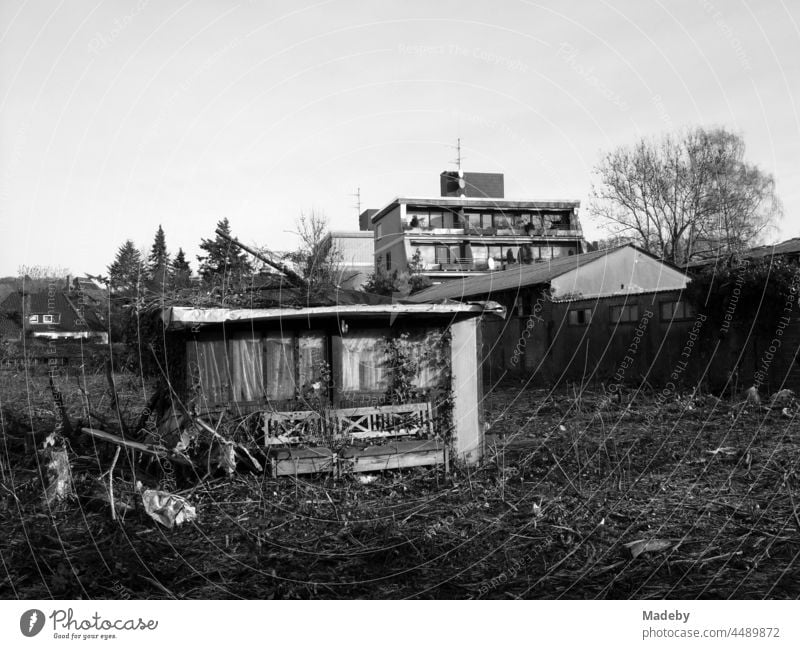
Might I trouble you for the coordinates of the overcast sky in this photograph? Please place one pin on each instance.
(117, 116)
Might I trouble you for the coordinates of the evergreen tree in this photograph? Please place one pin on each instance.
(158, 261)
(223, 263)
(125, 273)
(181, 271)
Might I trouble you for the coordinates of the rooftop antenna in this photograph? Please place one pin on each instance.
(459, 158)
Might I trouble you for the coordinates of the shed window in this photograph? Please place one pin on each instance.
(624, 313)
(247, 374)
(279, 366)
(676, 310)
(580, 316)
(34, 319)
(311, 346)
(363, 362)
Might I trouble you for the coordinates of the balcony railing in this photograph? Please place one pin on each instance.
(558, 231)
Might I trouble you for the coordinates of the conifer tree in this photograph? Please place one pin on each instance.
(181, 271)
(223, 263)
(125, 273)
(158, 261)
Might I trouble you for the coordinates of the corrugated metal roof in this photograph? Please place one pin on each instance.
(503, 280)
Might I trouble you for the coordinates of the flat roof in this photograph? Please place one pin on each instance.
(457, 201)
(176, 317)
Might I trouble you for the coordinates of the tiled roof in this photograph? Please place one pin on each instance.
(57, 302)
(9, 328)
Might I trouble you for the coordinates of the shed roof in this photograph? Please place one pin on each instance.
(186, 317)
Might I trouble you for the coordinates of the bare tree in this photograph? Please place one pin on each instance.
(317, 259)
(685, 194)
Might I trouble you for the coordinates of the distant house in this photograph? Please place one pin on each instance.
(55, 314)
(574, 317)
(355, 257)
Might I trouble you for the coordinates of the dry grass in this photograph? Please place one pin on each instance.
(569, 479)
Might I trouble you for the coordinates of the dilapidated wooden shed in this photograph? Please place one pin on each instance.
(341, 388)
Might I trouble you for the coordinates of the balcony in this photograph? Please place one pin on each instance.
(462, 265)
(555, 232)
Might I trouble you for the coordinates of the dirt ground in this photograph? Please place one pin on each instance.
(579, 497)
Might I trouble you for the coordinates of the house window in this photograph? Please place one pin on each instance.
(388, 261)
(496, 253)
(437, 220)
(378, 230)
(34, 319)
(580, 316)
(676, 310)
(442, 255)
(624, 313)
(427, 256)
(363, 362)
(51, 318)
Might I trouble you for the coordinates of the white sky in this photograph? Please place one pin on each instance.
(117, 116)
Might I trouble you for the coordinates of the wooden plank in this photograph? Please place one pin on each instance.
(136, 446)
(387, 461)
(392, 409)
(297, 461)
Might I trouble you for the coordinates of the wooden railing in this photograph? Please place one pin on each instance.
(348, 424)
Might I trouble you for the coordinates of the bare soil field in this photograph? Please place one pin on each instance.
(579, 497)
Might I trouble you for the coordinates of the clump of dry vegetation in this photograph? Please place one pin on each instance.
(578, 497)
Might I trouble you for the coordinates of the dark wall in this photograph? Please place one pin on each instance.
(537, 341)
(476, 185)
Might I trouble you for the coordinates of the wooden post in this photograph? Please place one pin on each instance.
(468, 436)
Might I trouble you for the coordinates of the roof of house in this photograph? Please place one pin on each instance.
(55, 302)
(187, 317)
(9, 328)
(496, 203)
(788, 247)
(513, 278)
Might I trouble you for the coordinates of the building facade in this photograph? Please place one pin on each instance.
(472, 232)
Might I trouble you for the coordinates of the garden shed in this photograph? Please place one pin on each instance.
(341, 388)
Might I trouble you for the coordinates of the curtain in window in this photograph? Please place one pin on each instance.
(210, 357)
(363, 363)
(425, 349)
(312, 355)
(279, 371)
(247, 375)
